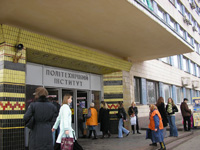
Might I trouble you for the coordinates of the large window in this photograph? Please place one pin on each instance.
(167, 91)
(188, 95)
(137, 90)
(178, 95)
(152, 92)
(185, 64)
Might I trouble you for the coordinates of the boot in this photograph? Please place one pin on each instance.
(90, 133)
(95, 135)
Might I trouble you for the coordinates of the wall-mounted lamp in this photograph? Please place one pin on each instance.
(19, 47)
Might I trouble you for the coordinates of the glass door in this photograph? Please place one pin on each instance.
(82, 104)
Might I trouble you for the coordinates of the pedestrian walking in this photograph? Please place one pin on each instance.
(171, 109)
(41, 112)
(162, 110)
(122, 118)
(156, 127)
(186, 113)
(92, 121)
(133, 111)
(104, 119)
(64, 119)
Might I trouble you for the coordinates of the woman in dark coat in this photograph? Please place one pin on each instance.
(42, 111)
(161, 108)
(104, 119)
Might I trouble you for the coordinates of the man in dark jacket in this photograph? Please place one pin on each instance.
(186, 113)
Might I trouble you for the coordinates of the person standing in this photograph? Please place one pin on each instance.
(156, 127)
(186, 113)
(42, 111)
(64, 119)
(162, 110)
(171, 109)
(133, 111)
(104, 119)
(122, 118)
(80, 118)
(92, 120)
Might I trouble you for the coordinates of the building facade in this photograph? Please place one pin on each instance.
(150, 49)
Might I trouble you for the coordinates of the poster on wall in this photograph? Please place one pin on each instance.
(196, 111)
(196, 117)
(196, 104)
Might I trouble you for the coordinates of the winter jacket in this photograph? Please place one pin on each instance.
(186, 112)
(163, 113)
(40, 137)
(132, 110)
(93, 120)
(64, 119)
(174, 109)
(104, 119)
(121, 113)
(152, 124)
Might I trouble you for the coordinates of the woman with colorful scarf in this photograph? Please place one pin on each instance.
(156, 127)
(171, 109)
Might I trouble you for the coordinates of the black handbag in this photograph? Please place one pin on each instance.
(77, 146)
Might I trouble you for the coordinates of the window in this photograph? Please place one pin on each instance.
(137, 87)
(167, 92)
(178, 95)
(196, 48)
(172, 23)
(182, 32)
(173, 2)
(185, 64)
(152, 92)
(166, 60)
(194, 93)
(198, 71)
(189, 39)
(176, 61)
(192, 68)
(161, 13)
(179, 7)
(188, 95)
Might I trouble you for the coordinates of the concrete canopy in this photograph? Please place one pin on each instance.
(112, 26)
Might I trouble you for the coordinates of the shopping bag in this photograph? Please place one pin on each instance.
(67, 143)
(133, 120)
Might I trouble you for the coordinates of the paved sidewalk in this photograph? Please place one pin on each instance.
(132, 142)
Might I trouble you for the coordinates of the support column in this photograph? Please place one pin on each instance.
(12, 98)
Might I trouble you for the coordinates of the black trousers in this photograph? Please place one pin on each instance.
(137, 125)
(188, 122)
